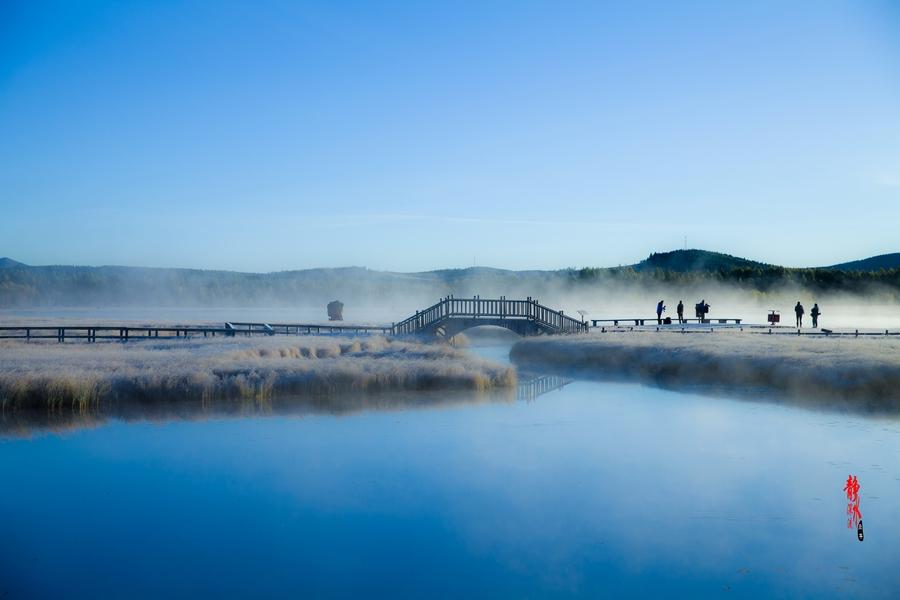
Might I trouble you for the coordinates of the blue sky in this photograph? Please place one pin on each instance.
(267, 136)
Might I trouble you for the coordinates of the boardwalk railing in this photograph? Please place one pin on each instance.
(300, 328)
(653, 321)
(93, 333)
(489, 308)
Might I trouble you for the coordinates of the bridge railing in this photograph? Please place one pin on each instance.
(489, 308)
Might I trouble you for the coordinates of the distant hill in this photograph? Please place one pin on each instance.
(685, 261)
(29, 286)
(875, 263)
(8, 263)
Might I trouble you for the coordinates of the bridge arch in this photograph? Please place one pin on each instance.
(451, 327)
(490, 334)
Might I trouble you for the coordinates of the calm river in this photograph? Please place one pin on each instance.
(594, 489)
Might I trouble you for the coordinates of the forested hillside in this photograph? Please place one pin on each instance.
(22, 285)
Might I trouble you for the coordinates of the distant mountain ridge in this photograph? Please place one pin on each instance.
(679, 261)
(31, 286)
(874, 263)
(8, 263)
(683, 261)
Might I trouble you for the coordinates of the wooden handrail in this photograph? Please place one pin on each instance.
(477, 307)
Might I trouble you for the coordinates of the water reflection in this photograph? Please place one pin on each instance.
(532, 385)
(17, 422)
(855, 404)
(23, 422)
(595, 490)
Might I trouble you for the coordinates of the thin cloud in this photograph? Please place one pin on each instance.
(382, 218)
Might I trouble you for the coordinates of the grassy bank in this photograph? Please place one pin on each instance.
(82, 375)
(863, 372)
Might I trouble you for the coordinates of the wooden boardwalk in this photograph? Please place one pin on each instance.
(753, 329)
(444, 319)
(638, 321)
(124, 333)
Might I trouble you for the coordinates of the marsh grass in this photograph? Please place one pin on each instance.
(863, 372)
(81, 376)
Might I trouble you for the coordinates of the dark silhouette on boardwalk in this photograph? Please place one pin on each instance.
(660, 309)
(702, 309)
(798, 310)
(814, 313)
(680, 310)
(335, 310)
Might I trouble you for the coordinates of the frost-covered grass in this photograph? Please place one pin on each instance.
(82, 375)
(865, 371)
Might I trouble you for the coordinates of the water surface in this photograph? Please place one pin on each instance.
(593, 489)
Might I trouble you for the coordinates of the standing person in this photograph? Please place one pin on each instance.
(798, 310)
(702, 309)
(698, 308)
(660, 307)
(680, 309)
(814, 313)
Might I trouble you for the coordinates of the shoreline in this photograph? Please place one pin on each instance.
(862, 373)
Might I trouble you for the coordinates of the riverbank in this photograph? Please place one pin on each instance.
(51, 374)
(863, 371)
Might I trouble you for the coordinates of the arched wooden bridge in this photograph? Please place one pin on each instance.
(453, 315)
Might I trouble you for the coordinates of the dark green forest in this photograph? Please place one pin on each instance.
(694, 268)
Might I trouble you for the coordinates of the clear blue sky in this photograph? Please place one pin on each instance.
(266, 136)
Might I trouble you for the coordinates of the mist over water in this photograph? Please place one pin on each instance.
(600, 302)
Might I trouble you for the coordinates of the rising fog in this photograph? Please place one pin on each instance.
(38, 294)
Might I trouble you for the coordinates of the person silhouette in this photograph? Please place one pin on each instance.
(660, 307)
(680, 309)
(814, 313)
(798, 310)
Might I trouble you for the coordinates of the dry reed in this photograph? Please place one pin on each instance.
(82, 375)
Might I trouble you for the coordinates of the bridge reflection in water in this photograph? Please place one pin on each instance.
(532, 386)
